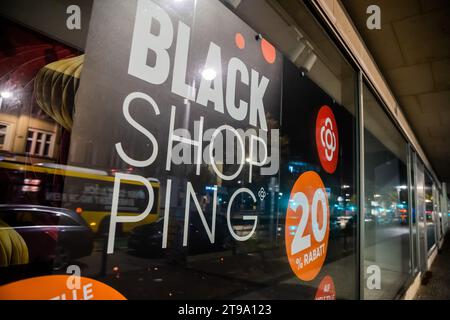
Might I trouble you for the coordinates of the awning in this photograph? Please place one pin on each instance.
(55, 87)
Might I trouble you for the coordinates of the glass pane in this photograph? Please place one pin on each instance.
(429, 212)
(235, 138)
(3, 131)
(39, 136)
(386, 225)
(28, 146)
(421, 216)
(46, 149)
(37, 148)
(315, 77)
(413, 212)
(24, 218)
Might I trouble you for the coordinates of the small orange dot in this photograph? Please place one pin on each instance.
(240, 41)
(268, 51)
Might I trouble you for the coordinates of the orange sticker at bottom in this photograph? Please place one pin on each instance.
(56, 288)
(326, 290)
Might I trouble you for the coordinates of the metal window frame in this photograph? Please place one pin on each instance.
(423, 256)
(412, 199)
(360, 246)
(431, 250)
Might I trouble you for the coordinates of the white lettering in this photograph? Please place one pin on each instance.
(147, 12)
(190, 193)
(205, 92)
(115, 204)
(141, 129)
(258, 89)
(179, 85)
(245, 217)
(235, 65)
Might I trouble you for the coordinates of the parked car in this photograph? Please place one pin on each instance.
(147, 239)
(44, 235)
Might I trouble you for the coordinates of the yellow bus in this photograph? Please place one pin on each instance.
(85, 191)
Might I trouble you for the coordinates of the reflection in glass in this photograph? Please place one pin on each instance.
(386, 208)
(64, 167)
(430, 212)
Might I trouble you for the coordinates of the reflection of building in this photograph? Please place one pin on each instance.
(27, 139)
(28, 134)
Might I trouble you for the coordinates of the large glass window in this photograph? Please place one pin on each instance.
(430, 204)
(439, 215)
(447, 213)
(413, 211)
(386, 207)
(195, 144)
(315, 75)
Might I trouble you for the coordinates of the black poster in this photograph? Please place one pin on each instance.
(186, 95)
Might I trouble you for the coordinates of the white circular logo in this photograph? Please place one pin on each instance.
(328, 139)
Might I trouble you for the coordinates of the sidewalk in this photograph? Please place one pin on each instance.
(438, 285)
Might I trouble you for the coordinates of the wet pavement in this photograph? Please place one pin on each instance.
(437, 283)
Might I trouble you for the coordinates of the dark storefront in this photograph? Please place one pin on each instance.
(173, 147)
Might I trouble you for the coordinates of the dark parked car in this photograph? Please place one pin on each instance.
(147, 239)
(50, 236)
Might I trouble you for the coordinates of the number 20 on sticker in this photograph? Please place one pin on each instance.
(307, 226)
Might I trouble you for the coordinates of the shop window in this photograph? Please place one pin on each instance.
(315, 77)
(39, 143)
(386, 207)
(430, 204)
(223, 210)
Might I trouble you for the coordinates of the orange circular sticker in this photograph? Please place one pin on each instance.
(326, 290)
(307, 226)
(59, 287)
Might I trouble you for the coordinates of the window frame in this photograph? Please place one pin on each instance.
(43, 142)
(5, 146)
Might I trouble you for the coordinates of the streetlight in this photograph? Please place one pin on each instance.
(209, 74)
(4, 95)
